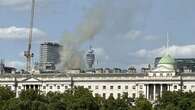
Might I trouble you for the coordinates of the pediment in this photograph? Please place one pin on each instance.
(31, 80)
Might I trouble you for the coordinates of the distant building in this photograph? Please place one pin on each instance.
(184, 65)
(108, 82)
(5, 69)
(49, 55)
(90, 58)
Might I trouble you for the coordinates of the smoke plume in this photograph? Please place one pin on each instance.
(108, 19)
(71, 56)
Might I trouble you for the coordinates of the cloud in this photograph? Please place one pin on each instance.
(174, 50)
(18, 33)
(17, 64)
(137, 34)
(133, 34)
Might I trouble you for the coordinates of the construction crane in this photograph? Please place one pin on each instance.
(28, 53)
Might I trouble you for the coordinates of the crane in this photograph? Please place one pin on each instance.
(28, 54)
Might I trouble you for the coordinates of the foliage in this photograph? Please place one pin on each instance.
(80, 98)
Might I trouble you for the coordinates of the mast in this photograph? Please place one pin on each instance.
(167, 43)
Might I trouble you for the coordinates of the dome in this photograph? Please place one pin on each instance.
(167, 59)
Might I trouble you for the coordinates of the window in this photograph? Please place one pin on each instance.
(96, 87)
(175, 87)
(133, 87)
(54, 84)
(184, 87)
(19, 87)
(119, 87)
(111, 94)
(44, 87)
(62, 84)
(133, 95)
(104, 87)
(50, 87)
(47, 84)
(66, 87)
(58, 87)
(96, 94)
(89, 87)
(111, 87)
(126, 87)
(141, 87)
(126, 94)
(104, 95)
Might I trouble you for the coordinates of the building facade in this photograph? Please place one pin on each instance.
(151, 84)
(49, 55)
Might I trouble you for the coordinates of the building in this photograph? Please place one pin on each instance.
(151, 84)
(90, 57)
(184, 65)
(5, 69)
(49, 55)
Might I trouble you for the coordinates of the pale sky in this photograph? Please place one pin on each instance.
(133, 31)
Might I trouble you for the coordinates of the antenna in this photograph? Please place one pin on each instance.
(167, 42)
(28, 53)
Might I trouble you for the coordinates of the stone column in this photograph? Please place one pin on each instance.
(154, 93)
(147, 91)
(161, 91)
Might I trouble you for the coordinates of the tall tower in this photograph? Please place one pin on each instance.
(90, 58)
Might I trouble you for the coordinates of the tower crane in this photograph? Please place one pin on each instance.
(28, 54)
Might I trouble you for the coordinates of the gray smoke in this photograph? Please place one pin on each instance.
(106, 19)
(71, 56)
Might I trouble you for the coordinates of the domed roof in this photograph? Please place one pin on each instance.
(167, 59)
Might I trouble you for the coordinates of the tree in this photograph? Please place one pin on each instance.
(142, 103)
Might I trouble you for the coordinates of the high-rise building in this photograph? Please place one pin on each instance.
(49, 55)
(90, 58)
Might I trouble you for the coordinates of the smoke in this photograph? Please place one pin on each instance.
(107, 19)
(71, 56)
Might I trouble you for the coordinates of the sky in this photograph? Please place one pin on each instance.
(130, 32)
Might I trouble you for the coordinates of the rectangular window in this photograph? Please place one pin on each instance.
(96, 87)
(111, 87)
(133, 87)
(133, 95)
(104, 95)
(50, 87)
(184, 87)
(104, 87)
(44, 87)
(141, 87)
(19, 87)
(66, 87)
(126, 87)
(175, 87)
(58, 87)
(96, 94)
(119, 87)
(89, 87)
(111, 94)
